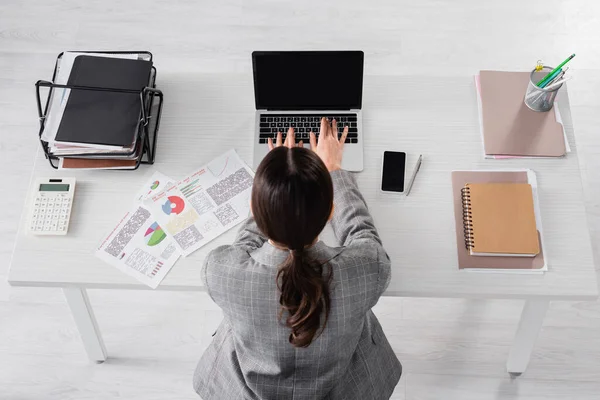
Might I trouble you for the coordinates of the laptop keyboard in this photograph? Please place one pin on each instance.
(270, 124)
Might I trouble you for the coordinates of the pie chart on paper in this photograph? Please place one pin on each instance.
(173, 205)
(154, 235)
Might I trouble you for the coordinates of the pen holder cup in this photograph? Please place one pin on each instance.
(537, 98)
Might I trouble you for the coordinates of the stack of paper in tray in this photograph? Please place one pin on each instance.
(90, 129)
(172, 218)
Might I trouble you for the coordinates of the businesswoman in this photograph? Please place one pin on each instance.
(297, 313)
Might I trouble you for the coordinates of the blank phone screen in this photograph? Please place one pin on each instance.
(392, 179)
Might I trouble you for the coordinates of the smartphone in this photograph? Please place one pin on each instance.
(392, 171)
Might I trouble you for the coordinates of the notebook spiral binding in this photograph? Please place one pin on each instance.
(467, 217)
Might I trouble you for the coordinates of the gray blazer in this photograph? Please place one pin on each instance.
(250, 356)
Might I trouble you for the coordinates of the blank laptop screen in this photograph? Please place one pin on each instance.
(305, 80)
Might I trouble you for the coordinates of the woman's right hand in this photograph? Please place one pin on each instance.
(328, 146)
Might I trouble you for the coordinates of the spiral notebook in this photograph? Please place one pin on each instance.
(466, 261)
(499, 219)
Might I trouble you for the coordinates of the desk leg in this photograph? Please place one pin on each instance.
(529, 328)
(85, 320)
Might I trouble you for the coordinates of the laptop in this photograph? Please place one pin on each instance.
(297, 88)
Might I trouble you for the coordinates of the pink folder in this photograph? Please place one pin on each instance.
(510, 128)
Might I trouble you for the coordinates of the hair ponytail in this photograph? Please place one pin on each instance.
(292, 199)
(304, 296)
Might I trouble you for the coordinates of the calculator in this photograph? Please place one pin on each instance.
(51, 208)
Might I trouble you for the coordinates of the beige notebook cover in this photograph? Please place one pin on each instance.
(465, 259)
(500, 219)
(509, 126)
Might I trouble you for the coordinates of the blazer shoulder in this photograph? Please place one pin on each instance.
(227, 255)
(365, 249)
(222, 262)
(368, 255)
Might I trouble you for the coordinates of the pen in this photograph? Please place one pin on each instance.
(558, 83)
(412, 178)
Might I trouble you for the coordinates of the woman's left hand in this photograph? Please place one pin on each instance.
(290, 140)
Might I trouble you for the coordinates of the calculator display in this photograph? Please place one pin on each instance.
(54, 187)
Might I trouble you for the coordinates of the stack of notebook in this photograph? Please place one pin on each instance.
(508, 127)
(497, 221)
(97, 129)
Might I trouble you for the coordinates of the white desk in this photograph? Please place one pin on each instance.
(204, 115)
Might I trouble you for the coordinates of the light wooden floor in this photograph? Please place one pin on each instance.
(451, 349)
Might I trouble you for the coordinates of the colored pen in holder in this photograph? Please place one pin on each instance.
(541, 98)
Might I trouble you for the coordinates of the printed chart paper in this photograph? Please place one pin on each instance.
(205, 204)
(156, 184)
(138, 246)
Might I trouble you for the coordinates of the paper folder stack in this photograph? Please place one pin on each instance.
(508, 127)
(498, 224)
(91, 129)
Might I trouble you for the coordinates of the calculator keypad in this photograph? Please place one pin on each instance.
(50, 214)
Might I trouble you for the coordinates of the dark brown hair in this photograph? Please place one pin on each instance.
(292, 199)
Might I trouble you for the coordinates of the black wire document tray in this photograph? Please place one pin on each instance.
(143, 148)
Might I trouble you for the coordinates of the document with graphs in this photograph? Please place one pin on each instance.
(138, 245)
(205, 204)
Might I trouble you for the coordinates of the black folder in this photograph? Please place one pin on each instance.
(103, 117)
